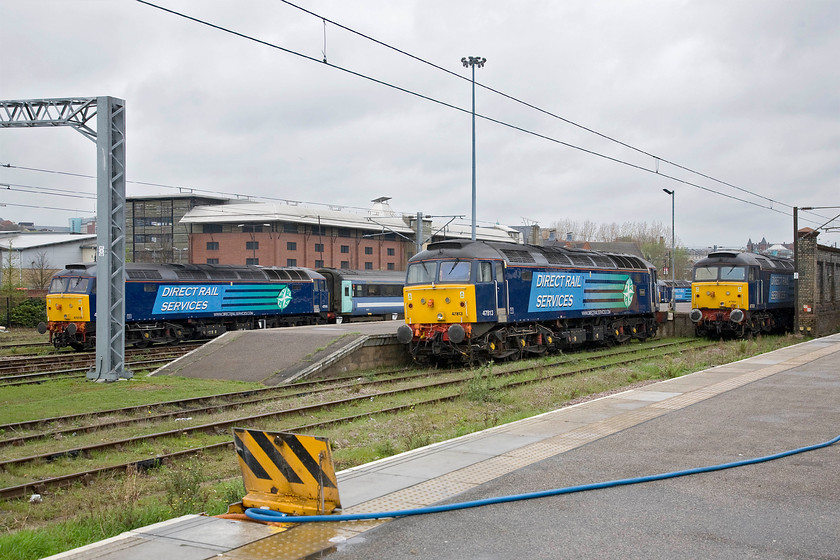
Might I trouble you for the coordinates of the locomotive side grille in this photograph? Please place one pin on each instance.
(602, 260)
(516, 256)
(191, 274)
(582, 260)
(252, 274)
(143, 274)
(554, 257)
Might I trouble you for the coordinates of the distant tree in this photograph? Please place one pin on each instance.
(654, 240)
(41, 271)
(10, 275)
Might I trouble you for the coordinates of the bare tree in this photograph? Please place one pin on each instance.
(41, 271)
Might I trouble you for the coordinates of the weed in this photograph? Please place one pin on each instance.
(183, 487)
(481, 387)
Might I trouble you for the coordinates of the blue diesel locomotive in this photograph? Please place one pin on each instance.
(471, 301)
(738, 294)
(167, 303)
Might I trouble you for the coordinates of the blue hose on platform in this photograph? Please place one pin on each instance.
(274, 516)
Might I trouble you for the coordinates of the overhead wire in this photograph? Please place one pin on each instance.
(530, 105)
(485, 117)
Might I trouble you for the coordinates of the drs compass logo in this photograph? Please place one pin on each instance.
(284, 298)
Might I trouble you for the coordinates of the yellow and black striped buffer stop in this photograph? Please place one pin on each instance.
(290, 473)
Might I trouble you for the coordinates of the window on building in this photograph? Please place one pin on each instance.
(319, 264)
(345, 248)
(252, 228)
(368, 266)
(344, 232)
(212, 261)
(319, 247)
(212, 228)
(252, 245)
(290, 228)
(392, 252)
(252, 261)
(291, 246)
(212, 245)
(345, 264)
(391, 266)
(318, 230)
(291, 262)
(368, 250)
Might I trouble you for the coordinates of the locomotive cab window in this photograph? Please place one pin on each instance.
(733, 273)
(454, 271)
(58, 285)
(77, 285)
(421, 273)
(705, 273)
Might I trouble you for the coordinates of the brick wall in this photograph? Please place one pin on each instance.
(818, 301)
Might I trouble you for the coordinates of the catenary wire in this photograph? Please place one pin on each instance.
(527, 104)
(484, 117)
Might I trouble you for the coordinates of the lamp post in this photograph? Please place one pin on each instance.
(673, 250)
(473, 61)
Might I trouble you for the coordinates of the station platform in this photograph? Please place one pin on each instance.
(282, 355)
(786, 508)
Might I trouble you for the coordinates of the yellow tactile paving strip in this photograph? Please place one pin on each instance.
(307, 539)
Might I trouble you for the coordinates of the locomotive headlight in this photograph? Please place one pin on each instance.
(440, 317)
(422, 301)
(447, 300)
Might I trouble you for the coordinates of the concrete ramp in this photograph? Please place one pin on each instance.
(275, 356)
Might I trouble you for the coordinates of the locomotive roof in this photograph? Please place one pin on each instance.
(174, 271)
(514, 253)
(765, 262)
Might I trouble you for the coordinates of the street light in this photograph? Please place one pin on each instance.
(472, 62)
(673, 256)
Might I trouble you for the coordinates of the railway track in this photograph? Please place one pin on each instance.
(25, 369)
(286, 405)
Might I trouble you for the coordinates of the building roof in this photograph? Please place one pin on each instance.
(379, 218)
(177, 195)
(20, 241)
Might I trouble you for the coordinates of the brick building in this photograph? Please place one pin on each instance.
(192, 229)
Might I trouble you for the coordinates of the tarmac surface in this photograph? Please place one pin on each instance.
(785, 508)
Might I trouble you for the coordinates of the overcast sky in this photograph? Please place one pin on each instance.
(745, 92)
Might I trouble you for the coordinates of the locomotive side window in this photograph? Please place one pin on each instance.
(484, 274)
(733, 273)
(58, 286)
(455, 271)
(421, 273)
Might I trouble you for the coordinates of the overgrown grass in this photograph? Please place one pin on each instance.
(78, 396)
(79, 515)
